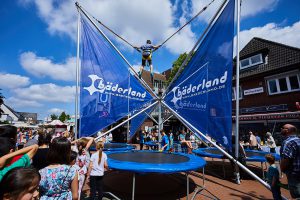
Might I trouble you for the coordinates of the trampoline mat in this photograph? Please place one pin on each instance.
(114, 145)
(257, 154)
(149, 157)
(213, 151)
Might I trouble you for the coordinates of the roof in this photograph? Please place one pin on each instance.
(280, 56)
(23, 116)
(12, 111)
(147, 78)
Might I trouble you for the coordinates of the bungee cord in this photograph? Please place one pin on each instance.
(166, 40)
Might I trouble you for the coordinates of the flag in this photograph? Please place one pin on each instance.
(108, 91)
(202, 92)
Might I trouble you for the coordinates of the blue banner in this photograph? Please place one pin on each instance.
(136, 122)
(202, 93)
(108, 91)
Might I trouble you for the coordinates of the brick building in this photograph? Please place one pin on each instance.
(269, 86)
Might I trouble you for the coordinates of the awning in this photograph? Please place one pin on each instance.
(269, 116)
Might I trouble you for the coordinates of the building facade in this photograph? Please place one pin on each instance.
(269, 87)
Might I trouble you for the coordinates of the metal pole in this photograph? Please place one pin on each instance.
(77, 77)
(117, 50)
(237, 86)
(192, 51)
(133, 186)
(167, 118)
(219, 148)
(159, 122)
(187, 186)
(128, 134)
(133, 116)
(151, 118)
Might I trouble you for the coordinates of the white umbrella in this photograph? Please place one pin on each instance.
(56, 122)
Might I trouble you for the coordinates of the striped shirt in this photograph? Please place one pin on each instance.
(291, 149)
(147, 49)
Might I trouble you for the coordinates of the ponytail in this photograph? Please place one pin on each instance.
(99, 147)
(100, 156)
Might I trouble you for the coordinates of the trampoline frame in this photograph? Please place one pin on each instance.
(186, 173)
(219, 156)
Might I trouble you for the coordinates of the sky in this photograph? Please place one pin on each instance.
(38, 40)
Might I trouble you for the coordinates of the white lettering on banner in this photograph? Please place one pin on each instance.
(113, 89)
(254, 91)
(204, 87)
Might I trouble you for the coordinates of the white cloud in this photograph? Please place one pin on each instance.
(55, 111)
(249, 8)
(47, 93)
(11, 81)
(42, 67)
(288, 35)
(19, 102)
(135, 20)
(253, 7)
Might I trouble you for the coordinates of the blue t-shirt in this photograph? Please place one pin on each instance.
(258, 139)
(273, 172)
(142, 138)
(164, 141)
(171, 140)
(181, 137)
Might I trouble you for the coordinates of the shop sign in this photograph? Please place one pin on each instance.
(254, 91)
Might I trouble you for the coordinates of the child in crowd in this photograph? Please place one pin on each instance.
(81, 169)
(20, 183)
(96, 171)
(7, 154)
(273, 177)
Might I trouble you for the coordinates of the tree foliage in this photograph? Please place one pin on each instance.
(53, 117)
(64, 117)
(176, 65)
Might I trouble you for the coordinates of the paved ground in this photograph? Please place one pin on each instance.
(171, 187)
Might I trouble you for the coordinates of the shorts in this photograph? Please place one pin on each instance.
(146, 59)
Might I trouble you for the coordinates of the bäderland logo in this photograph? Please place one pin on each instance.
(99, 85)
(182, 93)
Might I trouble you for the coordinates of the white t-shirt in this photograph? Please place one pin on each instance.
(98, 169)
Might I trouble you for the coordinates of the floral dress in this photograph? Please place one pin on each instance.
(56, 182)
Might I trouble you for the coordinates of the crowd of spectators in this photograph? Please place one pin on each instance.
(52, 167)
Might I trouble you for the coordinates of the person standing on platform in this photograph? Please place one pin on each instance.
(147, 50)
(290, 158)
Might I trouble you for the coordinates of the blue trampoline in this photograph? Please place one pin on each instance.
(252, 155)
(154, 162)
(152, 145)
(115, 147)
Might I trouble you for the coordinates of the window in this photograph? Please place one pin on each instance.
(249, 62)
(234, 93)
(159, 84)
(284, 83)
